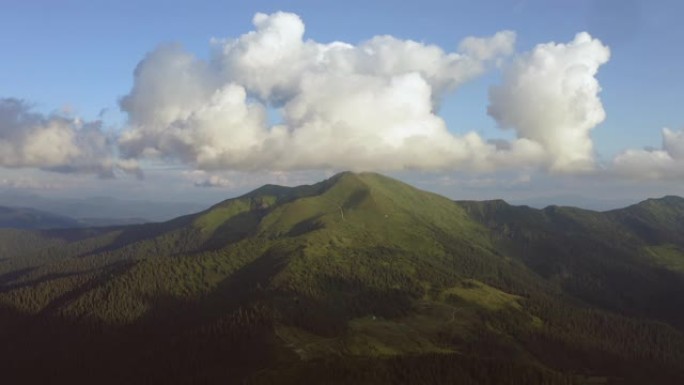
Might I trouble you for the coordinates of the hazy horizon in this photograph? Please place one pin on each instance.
(164, 208)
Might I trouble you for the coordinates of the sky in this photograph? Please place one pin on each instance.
(202, 100)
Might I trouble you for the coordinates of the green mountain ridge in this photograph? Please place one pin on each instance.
(357, 279)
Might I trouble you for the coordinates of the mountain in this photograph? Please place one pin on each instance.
(102, 210)
(600, 203)
(25, 218)
(29, 218)
(109, 222)
(357, 279)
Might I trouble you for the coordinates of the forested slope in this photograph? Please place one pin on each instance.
(357, 279)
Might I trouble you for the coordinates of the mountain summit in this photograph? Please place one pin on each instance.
(357, 279)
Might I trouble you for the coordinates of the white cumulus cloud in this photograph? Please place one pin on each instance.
(550, 96)
(215, 181)
(664, 163)
(55, 143)
(365, 106)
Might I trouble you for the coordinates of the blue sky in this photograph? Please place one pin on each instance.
(79, 57)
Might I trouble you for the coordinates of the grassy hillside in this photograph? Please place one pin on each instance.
(357, 279)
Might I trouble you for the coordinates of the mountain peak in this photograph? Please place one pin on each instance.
(665, 202)
(357, 176)
(348, 182)
(670, 199)
(343, 180)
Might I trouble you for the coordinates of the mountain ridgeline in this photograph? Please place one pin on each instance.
(25, 218)
(358, 279)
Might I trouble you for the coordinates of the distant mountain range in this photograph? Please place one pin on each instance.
(26, 218)
(102, 210)
(580, 201)
(358, 279)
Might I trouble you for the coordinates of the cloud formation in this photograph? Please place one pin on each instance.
(550, 96)
(201, 178)
(664, 163)
(365, 106)
(55, 143)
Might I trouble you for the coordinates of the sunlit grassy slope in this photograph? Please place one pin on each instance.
(357, 279)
